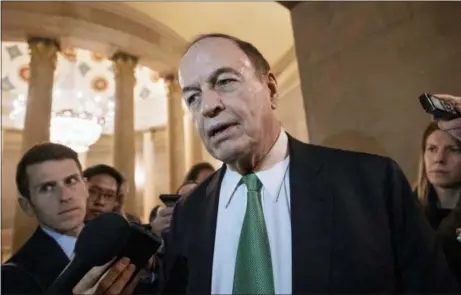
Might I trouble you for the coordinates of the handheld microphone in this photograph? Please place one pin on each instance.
(100, 241)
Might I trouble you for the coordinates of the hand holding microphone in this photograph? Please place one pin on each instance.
(109, 280)
(107, 239)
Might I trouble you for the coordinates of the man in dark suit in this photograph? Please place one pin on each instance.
(281, 216)
(49, 180)
(52, 188)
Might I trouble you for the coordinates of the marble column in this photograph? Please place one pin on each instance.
(148, 155)
(193, 142)
(43, 55)
(161, 163)
(83, 159)
(175, 133)
(124, 133)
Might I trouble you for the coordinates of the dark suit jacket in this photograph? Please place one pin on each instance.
(36, 265)
(355, 227)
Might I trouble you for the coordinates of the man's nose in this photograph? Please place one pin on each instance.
(65, 193)
(99, 199)
(211, 103)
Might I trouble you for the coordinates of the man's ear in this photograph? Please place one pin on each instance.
(274, 90)
(26, 206)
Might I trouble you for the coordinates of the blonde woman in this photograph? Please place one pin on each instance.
(439, 188)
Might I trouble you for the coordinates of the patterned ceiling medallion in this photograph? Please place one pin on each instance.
(70, 54)
(83, 68)
(144, 93)
(97, 57)
(6, 84)
(24, 73)
(13, 51)
(99, 84)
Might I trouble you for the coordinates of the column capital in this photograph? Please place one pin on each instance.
(43, 50)
(124, 58)
(122, 61)
(171, 82)
(44, 42)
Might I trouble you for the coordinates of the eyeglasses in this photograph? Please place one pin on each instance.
(96, 192)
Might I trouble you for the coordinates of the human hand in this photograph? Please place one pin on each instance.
(451, 126)
(105, 280)
(451, 99)
(162, 220)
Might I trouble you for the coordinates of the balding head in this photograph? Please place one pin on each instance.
(230, 101)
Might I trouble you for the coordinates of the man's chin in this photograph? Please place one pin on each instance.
(228, 154)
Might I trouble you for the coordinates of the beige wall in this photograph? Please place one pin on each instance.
(291, 113)
(363, 64)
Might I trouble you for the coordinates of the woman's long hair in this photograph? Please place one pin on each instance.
(423, 186)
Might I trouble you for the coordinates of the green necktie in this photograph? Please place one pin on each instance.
(253, 264)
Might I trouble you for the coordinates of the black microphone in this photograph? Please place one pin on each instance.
(100, 241)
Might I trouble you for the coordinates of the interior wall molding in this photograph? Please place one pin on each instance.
(98, 27)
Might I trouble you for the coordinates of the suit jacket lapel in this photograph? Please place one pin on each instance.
(311, 220)
(46, 257)
(207, 227)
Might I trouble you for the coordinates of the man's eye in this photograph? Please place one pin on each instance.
(72, 180)
(225, 82)
(191, 99)
(46, 188)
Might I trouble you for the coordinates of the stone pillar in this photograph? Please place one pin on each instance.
(193, 142)
(43, 54)
(363, 65)
(148, 154)
(175, 133)
(161, 162)
(124, 133)
(83, 159)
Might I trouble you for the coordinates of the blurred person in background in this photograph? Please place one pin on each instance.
(105, 187)
(439, 188)
(199, 172)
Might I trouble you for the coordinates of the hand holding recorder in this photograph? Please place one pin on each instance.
(446, 109)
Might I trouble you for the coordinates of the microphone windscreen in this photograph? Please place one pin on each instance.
(102, 239)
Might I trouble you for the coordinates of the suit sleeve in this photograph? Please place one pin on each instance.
(16, 280)
(421, 265)
(175, 263)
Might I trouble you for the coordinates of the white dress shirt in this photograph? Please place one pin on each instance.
(67, 243)
(273, 174)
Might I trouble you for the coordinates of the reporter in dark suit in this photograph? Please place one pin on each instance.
(281, 216)
(49, 179)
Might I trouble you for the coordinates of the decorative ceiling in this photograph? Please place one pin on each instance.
(88, 73)
(266, 24)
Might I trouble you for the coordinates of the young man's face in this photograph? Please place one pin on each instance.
(103, 192)
(58, 195)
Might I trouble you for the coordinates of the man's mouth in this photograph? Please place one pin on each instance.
(219, 128)
(67, 211)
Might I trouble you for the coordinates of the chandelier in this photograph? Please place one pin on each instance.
(78, 117)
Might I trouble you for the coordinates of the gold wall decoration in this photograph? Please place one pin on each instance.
(24, 73)
(97, 57)
(99, 84)
(70, 54)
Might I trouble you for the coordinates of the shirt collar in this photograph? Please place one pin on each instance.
(67, 243)
(271, 172)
